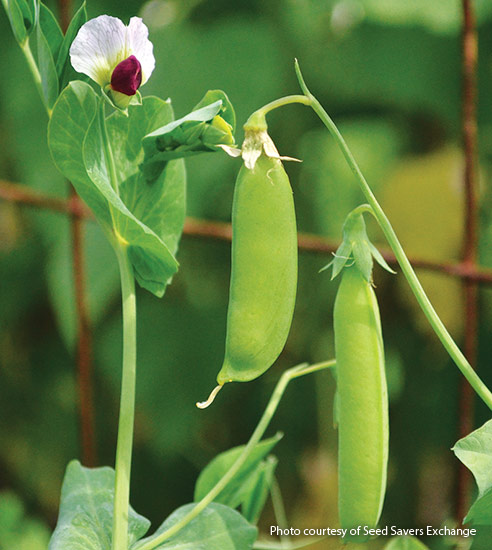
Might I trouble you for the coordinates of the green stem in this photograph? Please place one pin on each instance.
(294, 372)
(279, 511)
(114, 237)
(31, 62)
(127, 404)
(424, 302)
(257, 119)
(108, 152)
(33, 67)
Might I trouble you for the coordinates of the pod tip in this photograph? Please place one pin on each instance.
(211, 397)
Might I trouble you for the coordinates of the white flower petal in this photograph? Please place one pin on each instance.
(98, 47)
(139, 45)
(250, 157)
(231, 151)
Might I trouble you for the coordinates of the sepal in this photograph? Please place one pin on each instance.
(356, 248)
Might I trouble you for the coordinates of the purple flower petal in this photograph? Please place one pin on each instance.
(127, 76)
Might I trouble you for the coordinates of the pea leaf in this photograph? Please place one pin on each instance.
(227, 110)
(47, 70)
(258, 490)
(481, 541)
(405, 543)
(63, 67)
(238, 490)
(162, 204)
(152, 261)
(51, 30)
(210, 124)
(17, 22)
(76, 143)
(480, 512)
(475, 451)
(86, 511)
(72, 115)
(218, 527)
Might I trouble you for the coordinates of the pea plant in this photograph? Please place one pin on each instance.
(124, 154)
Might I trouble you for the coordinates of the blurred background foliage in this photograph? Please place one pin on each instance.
(389, 74)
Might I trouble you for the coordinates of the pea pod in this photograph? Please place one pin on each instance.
(362, 400)
(264, 270)
(362, 403)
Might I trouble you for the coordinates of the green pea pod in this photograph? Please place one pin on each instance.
(264, 271)
(362, 404)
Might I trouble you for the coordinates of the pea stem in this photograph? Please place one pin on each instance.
(287, 376)
(108, 152)
(279, 511)
(287, 100)
(31, 62)
(422, 299)
(257, 119)
(126, 419)
(127, 403)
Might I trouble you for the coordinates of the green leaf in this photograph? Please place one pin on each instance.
(51, 30)
(86, 511)
(227, 110)
(475, 451)
(160, 205)
(47, 70)
(32, 9)
(76, 143)
(63, 61)
(480, 512)
(153, 263)
(72, 115)
(28, 14)
(16, 16)
(481, 541)
(237, 490)
(202, 130)
(257, 494)
(218, 527)
(405, 543)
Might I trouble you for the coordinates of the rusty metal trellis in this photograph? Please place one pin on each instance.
(467, 270)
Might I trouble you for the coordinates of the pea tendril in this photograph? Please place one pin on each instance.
(434, 320)
(287, 376)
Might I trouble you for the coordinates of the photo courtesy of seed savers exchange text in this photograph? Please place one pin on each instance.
(392, 530)
(124, 155)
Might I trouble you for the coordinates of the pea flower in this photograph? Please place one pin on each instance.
(256, 142)
(118, 57)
